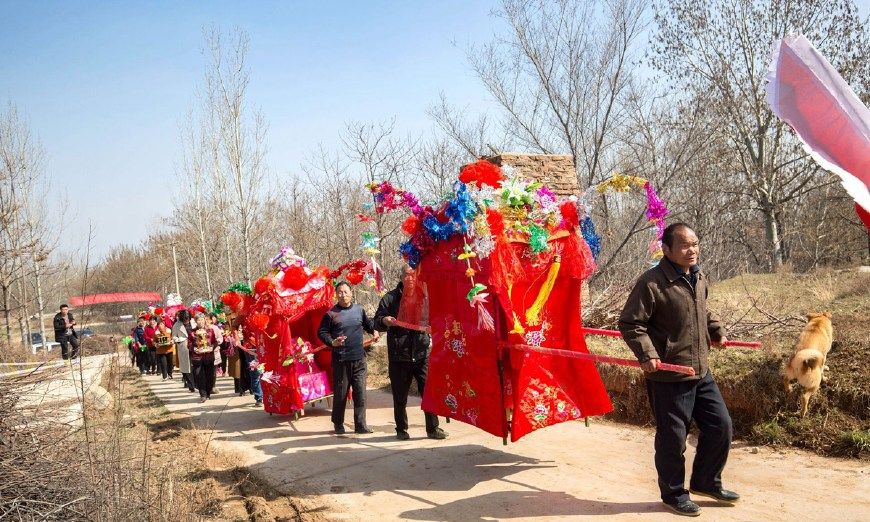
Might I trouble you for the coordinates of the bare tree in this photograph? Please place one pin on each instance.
(379, 155)
(560, 74)
(438, 161)
(336, 196)
(561, 78)
(192, 207)
(42, 238)
(722, 48)
(21, 158)
(242, 131)
(473, 137)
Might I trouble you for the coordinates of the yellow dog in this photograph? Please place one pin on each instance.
(808, 360)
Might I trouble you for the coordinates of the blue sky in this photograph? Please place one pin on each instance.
(105, 85)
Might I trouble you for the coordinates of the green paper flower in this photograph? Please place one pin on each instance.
(476, 289)
(538, 238)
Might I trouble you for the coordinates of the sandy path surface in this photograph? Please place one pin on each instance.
(566, 472)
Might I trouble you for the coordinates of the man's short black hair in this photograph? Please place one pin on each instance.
(668, 235)
(64, 305)
(343, 283)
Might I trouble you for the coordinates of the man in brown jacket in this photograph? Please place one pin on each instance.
(665, 319)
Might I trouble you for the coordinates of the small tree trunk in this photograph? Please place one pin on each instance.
(246, 245)
(204, 256)
(229, 259)
(772, 236)
(6, 314)
(40, 300)
(24, 318)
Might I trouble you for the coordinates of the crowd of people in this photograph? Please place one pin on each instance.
(201, 347)
(665, 320)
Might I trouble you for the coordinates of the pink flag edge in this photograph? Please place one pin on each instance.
(853, 186)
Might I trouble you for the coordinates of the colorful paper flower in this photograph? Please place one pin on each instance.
(481, 173)
(295, 278)
(411, 225)
(590, 235)
(538, 238)
(514, 193)
(355, 276)
(263, 285)
(258, 320)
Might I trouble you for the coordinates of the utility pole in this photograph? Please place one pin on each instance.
(175, 266)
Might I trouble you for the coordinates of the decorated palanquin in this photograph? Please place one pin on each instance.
(282, 314)
(501, 265)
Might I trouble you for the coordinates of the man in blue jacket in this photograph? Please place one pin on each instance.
(342, 328)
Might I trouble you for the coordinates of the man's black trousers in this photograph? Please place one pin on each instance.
(142, 360)
(674, 405)
(353, 374)
(65, 342)
(401, 375)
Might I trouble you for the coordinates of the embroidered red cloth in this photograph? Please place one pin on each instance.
(292, 315)
(509, 391)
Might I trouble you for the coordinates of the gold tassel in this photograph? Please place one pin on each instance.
(534, 311)
(518, 326)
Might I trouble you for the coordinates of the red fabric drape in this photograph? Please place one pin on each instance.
(291, 317)
(472, 380)
(284, 379)
(463, 381)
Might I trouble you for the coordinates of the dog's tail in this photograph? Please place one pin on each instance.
(810, 363)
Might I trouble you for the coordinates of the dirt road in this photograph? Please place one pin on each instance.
(566, 472)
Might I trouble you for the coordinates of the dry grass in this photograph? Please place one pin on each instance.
(131, 461)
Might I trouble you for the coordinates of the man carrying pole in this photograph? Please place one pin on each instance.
(408, 354)
(665, 320)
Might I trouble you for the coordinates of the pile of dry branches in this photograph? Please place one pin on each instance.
(100, 468)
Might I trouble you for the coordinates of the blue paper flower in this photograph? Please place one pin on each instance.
(461, 209)
(587, 228)
(437, 230)
(410, 253)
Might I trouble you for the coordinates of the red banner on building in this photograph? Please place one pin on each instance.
(124, 297)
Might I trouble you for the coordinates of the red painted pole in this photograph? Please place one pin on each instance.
(615, 333)
(686, 370)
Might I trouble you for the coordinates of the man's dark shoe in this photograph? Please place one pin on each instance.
(402, 435)
(363, 431)
(438, 434)
(339, 429)
(686, 508)
(722, 495)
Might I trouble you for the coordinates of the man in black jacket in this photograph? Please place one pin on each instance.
(408, 352)
(65, 334)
